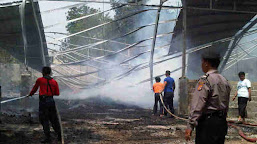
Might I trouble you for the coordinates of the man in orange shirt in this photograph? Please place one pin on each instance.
(47, 109)
(157, 88)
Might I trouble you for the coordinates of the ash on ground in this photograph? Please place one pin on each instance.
(99, 120)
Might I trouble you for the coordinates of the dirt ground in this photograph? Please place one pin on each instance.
(104, 122)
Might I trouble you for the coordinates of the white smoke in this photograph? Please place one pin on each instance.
(129, 89)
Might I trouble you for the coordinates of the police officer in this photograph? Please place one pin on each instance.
(47, 109)
(209, 104)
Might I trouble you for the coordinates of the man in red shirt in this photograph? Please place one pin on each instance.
(47, 109)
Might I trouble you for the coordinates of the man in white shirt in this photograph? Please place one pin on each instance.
(244, 94)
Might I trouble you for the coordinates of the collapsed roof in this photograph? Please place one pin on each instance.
(208, 22)
(11, 38)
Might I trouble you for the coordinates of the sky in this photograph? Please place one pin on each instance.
(60, 15)
(57, 16)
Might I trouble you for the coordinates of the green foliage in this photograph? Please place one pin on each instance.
(108, 31)
(100, 33)
(128, 24)
(125, 25)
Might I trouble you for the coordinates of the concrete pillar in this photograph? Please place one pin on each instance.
(25, 84)
(25, 89)
(183, 96)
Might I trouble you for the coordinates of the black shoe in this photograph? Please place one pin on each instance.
(46, 140)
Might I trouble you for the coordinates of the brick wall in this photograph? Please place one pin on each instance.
(233, 111)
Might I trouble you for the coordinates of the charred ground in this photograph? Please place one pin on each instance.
(99, 120)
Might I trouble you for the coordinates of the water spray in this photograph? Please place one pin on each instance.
(14, 99)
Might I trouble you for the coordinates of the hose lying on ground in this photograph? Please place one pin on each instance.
(241, 133)
(177, 117)
(244, 123)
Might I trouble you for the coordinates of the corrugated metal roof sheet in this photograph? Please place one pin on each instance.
(11, 34)
(205, 25)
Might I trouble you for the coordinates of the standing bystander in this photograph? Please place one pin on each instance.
(244, 94)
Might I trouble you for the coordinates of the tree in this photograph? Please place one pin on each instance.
(130, 23)
(84, 38)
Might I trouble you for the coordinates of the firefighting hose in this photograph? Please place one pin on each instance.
(14, 99)
(177, 117)
(22, 97)
(230, 123)
(240, 132)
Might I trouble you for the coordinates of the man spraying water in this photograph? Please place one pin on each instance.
(47, 109)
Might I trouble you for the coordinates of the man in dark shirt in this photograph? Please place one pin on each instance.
(47, 109)
(169, 87)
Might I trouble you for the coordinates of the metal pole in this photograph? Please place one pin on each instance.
(121, 3)
(23, 29)
(184, 39)
(221, 10)
(39, 33)
(0, 104)
(238, 36)
(234, 8)
(153, 43)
